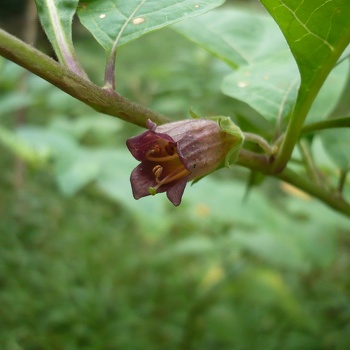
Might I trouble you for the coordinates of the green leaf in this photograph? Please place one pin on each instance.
(200, 198)
(197, 245)
(237, 37)
(330, 93)
(12, 102)
(269, 86)
(41, 138)
(337, 144)
(79, 173)
(88, 123)
(58, 145)
(114, 180)
(277, 249)
(116, 22)
(267, 77)
(21, 148)
(317, 32)
(56, 18)
(345, 54)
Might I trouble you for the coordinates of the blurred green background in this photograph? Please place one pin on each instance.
(85, 266)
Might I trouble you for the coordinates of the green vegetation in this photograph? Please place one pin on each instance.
(85, 266)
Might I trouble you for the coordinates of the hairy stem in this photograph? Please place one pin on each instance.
(333, 200)
(293, 130)
(102, 100)
(259, 141)
(326, 124)
(342, 180)
(110, 65)
(308, 91)
(261, 163)
(29, 35)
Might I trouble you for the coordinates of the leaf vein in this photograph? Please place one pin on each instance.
(304, 25)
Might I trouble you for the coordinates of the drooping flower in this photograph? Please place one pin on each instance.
(175, 153)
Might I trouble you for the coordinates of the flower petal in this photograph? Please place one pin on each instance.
(175, 153)
(141, 144)
(141, 179)
(175, 192)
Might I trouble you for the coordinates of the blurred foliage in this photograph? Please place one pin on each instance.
(85, 266)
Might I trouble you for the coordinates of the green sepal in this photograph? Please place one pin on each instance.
(193, 114)
(227, 125)
(236, 139)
